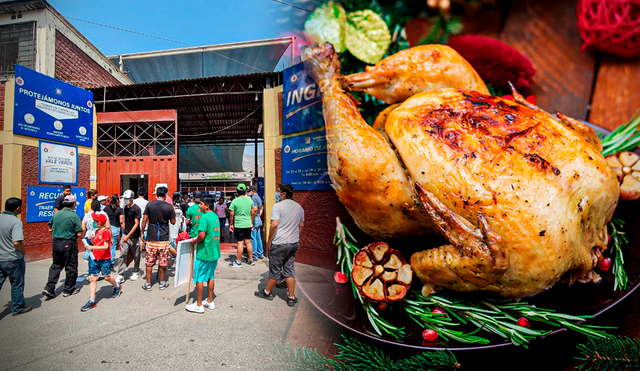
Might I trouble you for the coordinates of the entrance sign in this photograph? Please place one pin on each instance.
(304, 162)
(51, 109)
(183, 261)
(301, 101)
(57, 163)
(42, 199)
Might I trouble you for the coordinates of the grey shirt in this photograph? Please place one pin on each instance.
(289, 215)
(10, 232)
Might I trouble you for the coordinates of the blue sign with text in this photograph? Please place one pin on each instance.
(51, 109)
(304, 162)
(302, 101)
(42, 199)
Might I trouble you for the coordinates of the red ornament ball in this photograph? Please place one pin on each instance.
(605, 264)
(523, 322)
(382, 306)
(496, 62)
(610, 26)
(340, 277)
(438, 310)
(429, 335)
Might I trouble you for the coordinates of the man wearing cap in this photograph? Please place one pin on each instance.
(157, 216)
(65, 227)
(242, 213)
(256, 237)
(12, 264)
(193, 214)
(103, 201)
(130, 242)
(66, 190)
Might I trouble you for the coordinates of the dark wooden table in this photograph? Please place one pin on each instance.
(600, 89)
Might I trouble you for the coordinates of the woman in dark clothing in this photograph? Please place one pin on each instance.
(116, 219)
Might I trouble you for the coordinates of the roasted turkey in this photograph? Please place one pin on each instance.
(522, 196)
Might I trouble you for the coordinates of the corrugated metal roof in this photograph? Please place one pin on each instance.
(219, 109)
(258, 56)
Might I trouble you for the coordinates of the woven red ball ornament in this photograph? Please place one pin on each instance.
(496, 62)
(610, 26)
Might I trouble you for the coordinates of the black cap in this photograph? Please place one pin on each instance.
(197, 195)
(253, 189)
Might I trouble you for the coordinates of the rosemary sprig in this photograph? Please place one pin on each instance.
(618, 237)
(497, 316)
(624, 138)
(612, 353)
(344, 241)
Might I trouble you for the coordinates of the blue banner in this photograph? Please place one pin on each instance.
(42, 199)
(261, 187)
(51, 109)
(301, 101)
(304, 162)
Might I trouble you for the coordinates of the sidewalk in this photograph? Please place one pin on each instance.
(151, 330)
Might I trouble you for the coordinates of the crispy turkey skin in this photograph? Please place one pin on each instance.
(523, 198)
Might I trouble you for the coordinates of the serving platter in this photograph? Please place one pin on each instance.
(336, 301)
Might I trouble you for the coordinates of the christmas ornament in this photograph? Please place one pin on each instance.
(610, 26)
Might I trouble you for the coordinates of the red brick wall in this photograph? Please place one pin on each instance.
(37, 237)
(2, 84)
(74, 66)
(320, 211)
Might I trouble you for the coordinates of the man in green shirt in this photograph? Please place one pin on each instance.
(193, 214)
(241, 218)
(65, 227)
(207, 244)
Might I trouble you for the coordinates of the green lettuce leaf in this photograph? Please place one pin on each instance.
(368, 37)
(327, 24)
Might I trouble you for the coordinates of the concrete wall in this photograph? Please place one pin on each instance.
(64, 53)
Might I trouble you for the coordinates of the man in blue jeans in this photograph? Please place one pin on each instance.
(256, 237)
(12, 264)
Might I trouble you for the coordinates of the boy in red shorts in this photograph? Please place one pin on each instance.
(101, 262)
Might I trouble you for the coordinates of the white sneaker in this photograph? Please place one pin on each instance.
(120, 279)
(206, 304)
(194, 308)
(134, 276)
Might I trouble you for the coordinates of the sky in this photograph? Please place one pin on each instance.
(190, 22)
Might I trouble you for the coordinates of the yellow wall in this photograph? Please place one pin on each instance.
(272, 142)
(12, 152)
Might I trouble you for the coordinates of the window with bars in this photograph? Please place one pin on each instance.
(140, 139)
(17, 45)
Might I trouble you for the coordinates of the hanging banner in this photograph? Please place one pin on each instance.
(42, 199)
(301, 101)
(304, 162)
(57, 164)
(51, 109)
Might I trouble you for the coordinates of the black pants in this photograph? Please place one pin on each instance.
(65, 255)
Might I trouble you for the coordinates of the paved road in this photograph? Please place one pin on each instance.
(151, 330)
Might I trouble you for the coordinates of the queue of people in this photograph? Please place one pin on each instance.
(154, 226)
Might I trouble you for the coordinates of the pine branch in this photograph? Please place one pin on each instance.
(612, 353)
(363, 357)
(618, 238)
(306, 359)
